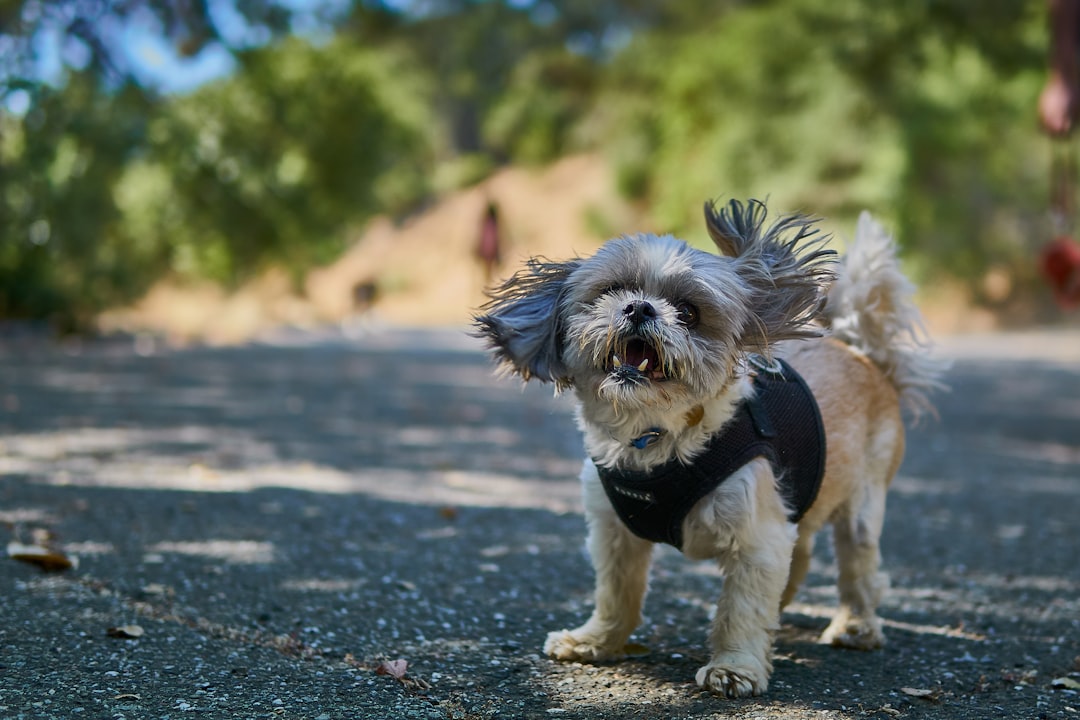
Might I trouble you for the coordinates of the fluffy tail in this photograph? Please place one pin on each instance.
(870, 306)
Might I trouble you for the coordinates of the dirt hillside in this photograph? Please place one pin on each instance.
(424, 270)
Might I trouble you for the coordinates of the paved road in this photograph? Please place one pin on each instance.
(282, 518)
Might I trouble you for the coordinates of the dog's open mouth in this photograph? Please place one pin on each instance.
(637, 360)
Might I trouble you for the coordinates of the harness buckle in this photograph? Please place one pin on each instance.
(766, 365)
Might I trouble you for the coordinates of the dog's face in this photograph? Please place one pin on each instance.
(651, 321)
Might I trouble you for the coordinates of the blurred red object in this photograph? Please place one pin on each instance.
(1060, 265)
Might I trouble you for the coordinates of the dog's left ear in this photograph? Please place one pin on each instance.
(522, 321)
(784, 264)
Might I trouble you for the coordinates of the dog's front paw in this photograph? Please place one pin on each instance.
(854, 633)
(571, 645)
(732, 679)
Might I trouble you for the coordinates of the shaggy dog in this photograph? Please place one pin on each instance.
(732, 405)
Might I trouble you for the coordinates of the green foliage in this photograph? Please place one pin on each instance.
(746, 106)
(961, 88)
(62, 256)
(102, 193)
(973, 193)
(270, 166)
(90, 27)
(922, 112)
(533, 120)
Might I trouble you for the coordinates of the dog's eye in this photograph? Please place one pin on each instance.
(611, 289)
(687, 314)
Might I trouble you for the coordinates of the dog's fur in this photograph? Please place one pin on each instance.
(849, 328)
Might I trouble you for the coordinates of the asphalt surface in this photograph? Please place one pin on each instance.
(280, 520)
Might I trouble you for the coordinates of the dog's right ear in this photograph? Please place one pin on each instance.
(785, 265)
(522, 321)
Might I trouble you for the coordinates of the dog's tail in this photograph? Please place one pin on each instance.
(871, 307)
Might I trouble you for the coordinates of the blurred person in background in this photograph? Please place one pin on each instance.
(1059, 103)
(487, 247)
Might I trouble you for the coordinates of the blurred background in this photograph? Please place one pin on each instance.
(211, 168)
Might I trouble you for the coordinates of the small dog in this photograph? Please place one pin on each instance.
(731, 406)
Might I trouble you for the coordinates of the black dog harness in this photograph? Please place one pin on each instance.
(780, 422)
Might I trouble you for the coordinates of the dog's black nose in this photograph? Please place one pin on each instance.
(639, 311)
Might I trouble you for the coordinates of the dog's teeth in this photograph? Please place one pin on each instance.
(644, 365)
(616, 361)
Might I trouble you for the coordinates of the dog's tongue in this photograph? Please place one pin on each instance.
(638, 351)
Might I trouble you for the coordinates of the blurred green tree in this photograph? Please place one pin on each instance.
(533, 121)
(106, 185)
(269, 166)
(73, 120)
(87, 34)
(922, 112)
(62, 256)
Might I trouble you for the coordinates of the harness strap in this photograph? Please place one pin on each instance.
(780, 422)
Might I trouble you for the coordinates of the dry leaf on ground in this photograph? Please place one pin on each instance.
(397, 669)
(393, 668)
(921, 693)
(45, 558)
(157, 590)
(126, 632)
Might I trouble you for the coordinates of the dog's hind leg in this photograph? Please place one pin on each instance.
(800, 564)
(856, 532)
(621, 561)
